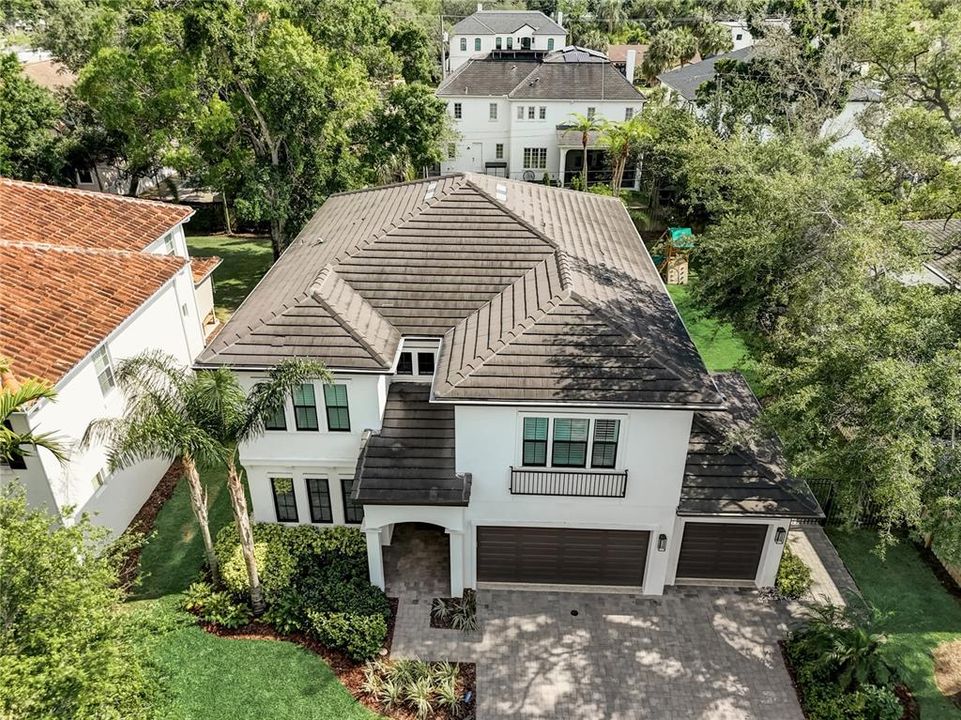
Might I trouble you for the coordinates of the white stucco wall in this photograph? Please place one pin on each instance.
(845, 129)
(479, 135)
(160, 324)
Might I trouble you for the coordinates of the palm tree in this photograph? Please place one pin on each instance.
(612, 11)
(234, 416)
(622, 140)
(163, 417)
(585, 125)
(15, 396)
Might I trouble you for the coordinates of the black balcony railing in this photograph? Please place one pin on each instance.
(570, 483)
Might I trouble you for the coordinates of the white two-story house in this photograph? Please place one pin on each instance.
(91, 278)
(509, 369)
(512, 113)
(489, 30)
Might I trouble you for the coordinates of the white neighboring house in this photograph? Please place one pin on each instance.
(489, 30)
(509, 369)
(512, 110)
(844, 129)
(89, 279)
(741, 36)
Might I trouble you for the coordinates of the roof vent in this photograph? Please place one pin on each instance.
(501, 193)
(430, 190)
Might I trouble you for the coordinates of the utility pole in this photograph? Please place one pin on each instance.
(443, 60)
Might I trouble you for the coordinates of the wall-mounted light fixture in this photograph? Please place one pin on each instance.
(661, 542)
(779, 536)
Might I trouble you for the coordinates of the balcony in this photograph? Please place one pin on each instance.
(568, 483)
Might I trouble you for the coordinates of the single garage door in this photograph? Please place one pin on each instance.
(720, 551)
(563, 556)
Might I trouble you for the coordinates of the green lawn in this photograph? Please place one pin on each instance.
(720, 346)
(211, 678)
(919, 613)
(245, 260)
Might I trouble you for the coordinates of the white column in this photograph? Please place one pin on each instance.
(561, 164)
(456, 539)
(375, 558)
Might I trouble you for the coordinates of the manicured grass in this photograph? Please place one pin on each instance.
(245, 260)
(174, 556)
(919, 614)
(206, 677)
(720, 346)
(213, 678)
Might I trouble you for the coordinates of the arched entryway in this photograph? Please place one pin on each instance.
(417, 561)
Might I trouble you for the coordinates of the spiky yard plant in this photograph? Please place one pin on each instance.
(233, 416)
(164, 417)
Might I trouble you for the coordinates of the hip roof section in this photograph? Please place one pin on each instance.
(540, 294)
(505, 22)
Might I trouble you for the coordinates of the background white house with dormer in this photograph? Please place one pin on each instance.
(489, 30)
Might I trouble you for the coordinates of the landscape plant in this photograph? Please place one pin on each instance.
(17, 397)
(793, 576)
(421, 687)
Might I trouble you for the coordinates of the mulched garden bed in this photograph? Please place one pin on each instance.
(143, 522)
(911, 709)
(349, 672)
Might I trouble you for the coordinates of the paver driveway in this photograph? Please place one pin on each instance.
(693, 653)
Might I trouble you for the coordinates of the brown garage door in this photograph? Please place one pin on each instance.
(561, 556)
(720, 551)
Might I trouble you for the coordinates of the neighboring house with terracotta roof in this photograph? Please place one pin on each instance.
(512, 112)
(489, 30)
(89, 279)
(509, 368)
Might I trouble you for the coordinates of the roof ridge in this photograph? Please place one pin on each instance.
(83, 250)
(516, 330)
(399, 183)
(524, 79)
(329, 272)
(513, 215)
(96, 194)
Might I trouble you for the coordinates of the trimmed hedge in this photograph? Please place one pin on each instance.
(314, 580)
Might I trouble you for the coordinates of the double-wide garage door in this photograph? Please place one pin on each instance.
(561, 556)
(720, 551)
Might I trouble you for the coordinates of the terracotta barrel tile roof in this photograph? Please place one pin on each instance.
(77, 218)
(60, 303)
(201, 267)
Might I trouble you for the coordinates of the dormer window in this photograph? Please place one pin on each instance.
(405, 365)
(425, 363)
(417, 361)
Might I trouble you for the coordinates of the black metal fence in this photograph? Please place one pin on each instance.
(568, 483)
(859, 509)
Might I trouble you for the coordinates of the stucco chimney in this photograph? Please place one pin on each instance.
(631, 62)
(480, 7)
(560, 18)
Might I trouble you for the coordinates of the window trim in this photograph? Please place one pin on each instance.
(328, 407)
(310, 500)
(293, 401)
(586, 442)
(623, 421)
(345, 497)
(293, 493)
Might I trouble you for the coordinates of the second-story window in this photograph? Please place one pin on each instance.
(569, 448)
(277, 419)
(353, 510)
(492, 111)
(305, 407)
(550, 44)
(530, 112)
(520, 112)
(318, 496)
(499, 151)
(628, 113)
(405, 364)
(338, 414)
(542, 112)
(498, 43)
(510, 43)
(591, 112)
(169, 247)
(535, 442)
(477, 44)
(285, 502)
(463, 44)
(604, 449)
(458, 111)
(104, 367)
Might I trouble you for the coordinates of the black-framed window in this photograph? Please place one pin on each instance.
(305, 407)
(425, 363)
(498, 43)
(353, 510)
(535, 442)
(569, 447)
(604, 449)
(318, 495)
(405, 364)
(277, 420)
(338, 415)
(458, 111)
(285, 502)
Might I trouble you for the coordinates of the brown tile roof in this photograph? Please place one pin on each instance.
(79, 218)
(201, 267)
(730, 472)
(60, 303)
(49, 74)
(410, 461)
(617, 54)
(540, 294)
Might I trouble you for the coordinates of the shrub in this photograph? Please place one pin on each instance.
(359, 636)
(793, 576)
(456, 613)
(215, 607)
(419, 686)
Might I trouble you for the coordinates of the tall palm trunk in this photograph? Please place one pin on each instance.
(198, 500)
(239, 503)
